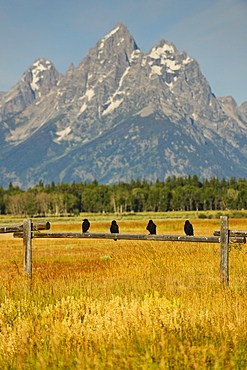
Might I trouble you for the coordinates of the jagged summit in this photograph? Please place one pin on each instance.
(115, 38)
(40, 76)
(119, 114)
(117, 46)
(36, 82)
(165, 60)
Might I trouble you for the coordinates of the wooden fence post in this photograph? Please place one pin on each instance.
(27, 246)
(224, 250)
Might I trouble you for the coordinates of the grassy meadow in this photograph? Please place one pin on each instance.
(105, 304)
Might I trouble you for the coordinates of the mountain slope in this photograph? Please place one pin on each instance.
(119, 114)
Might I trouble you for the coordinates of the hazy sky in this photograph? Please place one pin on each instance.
(214, 32)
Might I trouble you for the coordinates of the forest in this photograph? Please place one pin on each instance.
(174, 194)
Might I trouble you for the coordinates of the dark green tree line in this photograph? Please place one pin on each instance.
(173, 194)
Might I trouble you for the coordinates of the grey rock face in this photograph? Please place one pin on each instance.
(119, 114)
(36, 82)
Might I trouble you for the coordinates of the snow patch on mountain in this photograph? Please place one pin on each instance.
(187, 60)
(108, 36)
(36, 73)
(83, 108)
(122, 78)
(63, 134)
(113, 105)
(89, 94)
(166, 55)
(159, 51)
(102, 44)
(156, 70)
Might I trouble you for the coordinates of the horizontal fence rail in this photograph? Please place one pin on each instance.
(232, 233)
(15, 228)
(180, 238)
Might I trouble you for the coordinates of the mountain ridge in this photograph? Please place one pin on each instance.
(48, 118)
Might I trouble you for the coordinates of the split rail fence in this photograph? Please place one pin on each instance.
(29, 230)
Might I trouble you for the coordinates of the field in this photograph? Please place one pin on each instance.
(101, 304)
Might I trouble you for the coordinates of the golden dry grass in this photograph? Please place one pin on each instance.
(101, 304)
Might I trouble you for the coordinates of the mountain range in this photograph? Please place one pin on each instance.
(120, 114)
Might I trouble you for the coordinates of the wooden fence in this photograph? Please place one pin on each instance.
(224, 236)
(15, 228)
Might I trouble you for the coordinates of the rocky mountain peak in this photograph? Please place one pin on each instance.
(41, 76)
(232, 110)
(117, 46)
(117, 40)
(228, 100)
(36, 82)
(165, 54)
(119, 114)
(243, 109)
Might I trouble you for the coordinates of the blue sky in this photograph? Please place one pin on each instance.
(214, 32)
